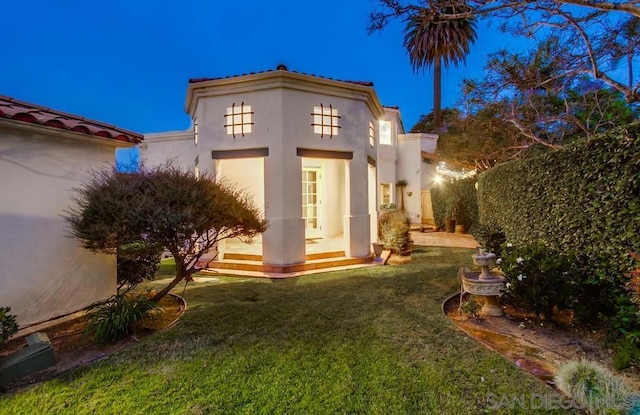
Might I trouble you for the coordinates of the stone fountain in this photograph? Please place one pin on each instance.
(485, 283)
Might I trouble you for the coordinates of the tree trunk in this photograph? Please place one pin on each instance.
(180, 275)
(437, 94)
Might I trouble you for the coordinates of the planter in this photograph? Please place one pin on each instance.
(450, 226)
(460, 229)
(377, 249)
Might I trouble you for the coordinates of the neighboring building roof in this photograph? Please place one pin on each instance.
(279, 68)
(23, 111)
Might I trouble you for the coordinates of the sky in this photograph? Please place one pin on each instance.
(127, 62)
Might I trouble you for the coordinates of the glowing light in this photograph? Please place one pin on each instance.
(437, 179)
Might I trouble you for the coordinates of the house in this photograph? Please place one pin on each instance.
(318, 155)
(44, 154)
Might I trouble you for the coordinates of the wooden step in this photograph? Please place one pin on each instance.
(238, 256)
(258, 266)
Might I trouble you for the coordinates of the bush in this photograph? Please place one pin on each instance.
(627, 353)
(8, 324)
(137, 261)
(593, 387)
(395, 230)
(119, 316)
(537, 278)
(455, 200)
(490, 237)
(583, 198)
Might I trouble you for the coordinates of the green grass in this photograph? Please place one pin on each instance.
(369, 341)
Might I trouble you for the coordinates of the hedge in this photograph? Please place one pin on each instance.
(459, 195)
(584, 197)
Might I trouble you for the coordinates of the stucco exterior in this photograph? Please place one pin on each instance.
(45, 273)
(285, 143)
(356, 170)
(418, 172)
(175, 146)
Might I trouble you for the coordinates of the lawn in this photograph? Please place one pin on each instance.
(371, 340)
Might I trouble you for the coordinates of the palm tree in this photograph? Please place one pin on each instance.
(430, 39)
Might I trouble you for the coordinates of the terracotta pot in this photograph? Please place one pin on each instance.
(450, 226)
(460, 229)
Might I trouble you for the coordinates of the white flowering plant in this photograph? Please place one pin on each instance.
(538, 278)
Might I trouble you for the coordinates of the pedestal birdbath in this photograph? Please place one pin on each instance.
(486, 283)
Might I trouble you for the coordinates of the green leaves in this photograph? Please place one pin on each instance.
(163, 207)
(8, 324)
(583, 198)
(119, 317)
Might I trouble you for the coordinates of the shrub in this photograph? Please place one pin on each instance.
(490, 237)
(538, 278)
(593, 387)
(8, 324)
(583, 198)
(455, 200)
(119, 316)
(471, 307)
(137, 261)
(626, 353)
(395, 231)
(388, 207)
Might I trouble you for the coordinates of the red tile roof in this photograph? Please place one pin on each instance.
(35, 114)
(280, 68)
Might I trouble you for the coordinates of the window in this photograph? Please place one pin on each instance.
(372, 134)
(385, 194)
(196, 169)
(325, 121)
(195, 132)
(238, 119)
(385, 132)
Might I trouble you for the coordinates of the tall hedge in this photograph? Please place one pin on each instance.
(458, 195)
(585, 197)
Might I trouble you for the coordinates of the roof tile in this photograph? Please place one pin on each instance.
(26, 112)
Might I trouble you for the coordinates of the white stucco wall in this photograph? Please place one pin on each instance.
(45, 273)
(412, 168)
(282, 104)
(386, 167)
(409, 169)
(177, 146)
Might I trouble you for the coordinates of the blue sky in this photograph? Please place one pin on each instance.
(127, 62)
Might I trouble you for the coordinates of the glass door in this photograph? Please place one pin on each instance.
(311, 202)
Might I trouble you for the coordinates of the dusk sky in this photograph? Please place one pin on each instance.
(127, 62)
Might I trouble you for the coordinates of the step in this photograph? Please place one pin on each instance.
(238, 256)
(257, 266)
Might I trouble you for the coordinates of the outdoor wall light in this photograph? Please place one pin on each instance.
(409, 194)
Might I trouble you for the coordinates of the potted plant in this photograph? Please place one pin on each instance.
(450, 224)
(377, 248)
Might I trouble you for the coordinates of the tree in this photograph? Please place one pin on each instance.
(475, 141)
(547, 106)
(599, 36)
(162, 206)
(432, 39)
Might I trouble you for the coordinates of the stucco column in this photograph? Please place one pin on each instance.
(356, 221)
(283, 241)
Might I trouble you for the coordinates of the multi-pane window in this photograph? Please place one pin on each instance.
(196, 169)
(385, 132)
(238, 119)
(195, 132)
(372, 134)
(385, 194)
(325, 121)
